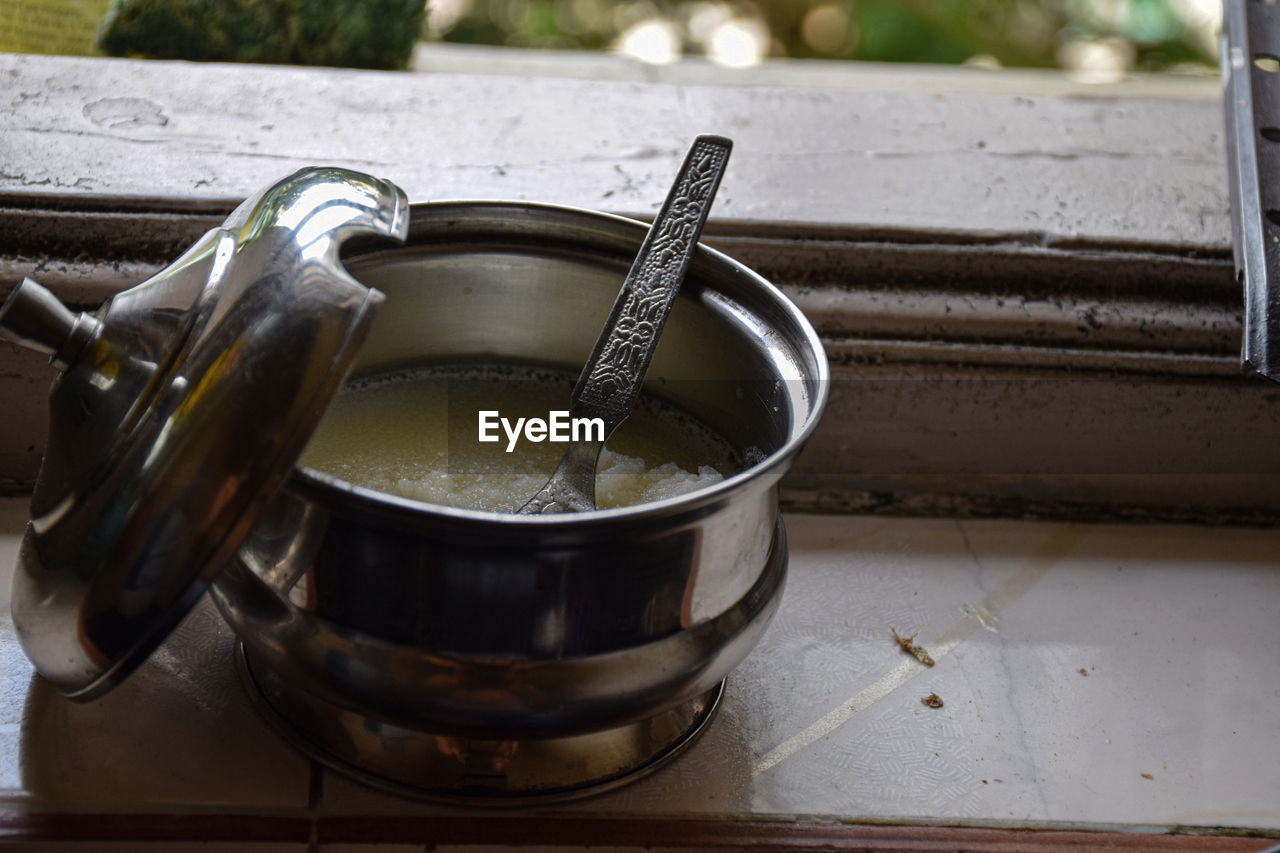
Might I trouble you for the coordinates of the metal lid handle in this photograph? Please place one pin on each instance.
(33, 317)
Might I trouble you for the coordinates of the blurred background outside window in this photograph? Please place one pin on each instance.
(1102, 39)
(1095, 40)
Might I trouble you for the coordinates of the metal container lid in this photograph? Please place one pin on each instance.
(180, 408)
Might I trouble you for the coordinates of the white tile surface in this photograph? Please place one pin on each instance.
(1171, 625)
(1175, 630)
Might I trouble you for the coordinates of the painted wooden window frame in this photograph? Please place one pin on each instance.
(1024, 285)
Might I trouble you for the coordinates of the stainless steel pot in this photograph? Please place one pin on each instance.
(426, 649)
(468, 652)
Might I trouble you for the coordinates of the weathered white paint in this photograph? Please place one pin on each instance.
(1051, 169)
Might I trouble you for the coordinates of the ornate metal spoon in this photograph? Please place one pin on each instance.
(610, 382)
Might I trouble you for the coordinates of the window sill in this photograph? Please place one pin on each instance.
(1028, 299)
(1074, 717)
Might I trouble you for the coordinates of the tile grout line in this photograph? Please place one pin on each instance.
(1056, 546)
(882, 687)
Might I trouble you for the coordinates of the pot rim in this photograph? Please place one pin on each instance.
(330, 489)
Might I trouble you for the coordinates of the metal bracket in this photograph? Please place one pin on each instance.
(1251, 83)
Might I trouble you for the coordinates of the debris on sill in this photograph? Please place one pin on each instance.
(933, 700)
(907, 644)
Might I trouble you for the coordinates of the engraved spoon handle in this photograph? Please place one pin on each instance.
(614, 373)
(610, 382)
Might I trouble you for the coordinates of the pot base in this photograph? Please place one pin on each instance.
(423, 765)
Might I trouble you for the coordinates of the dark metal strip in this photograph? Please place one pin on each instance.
(1251, 80)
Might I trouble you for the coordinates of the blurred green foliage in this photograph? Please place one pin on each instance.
(360, 33)
(1119, 35)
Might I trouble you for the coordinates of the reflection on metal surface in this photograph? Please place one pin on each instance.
(179, 410)
(474, 771)
(457, 646)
